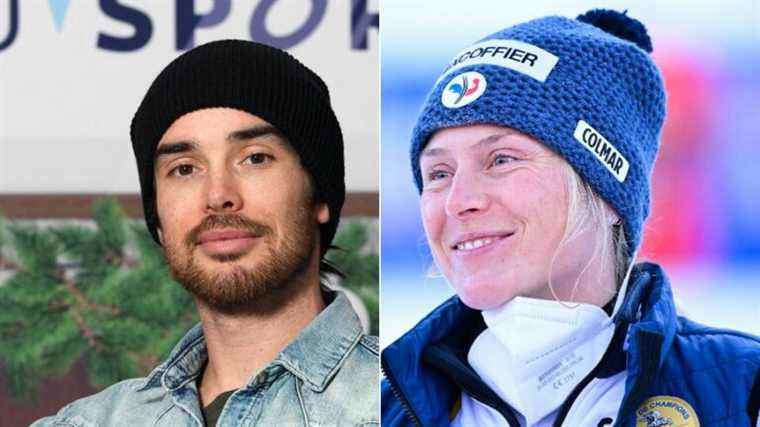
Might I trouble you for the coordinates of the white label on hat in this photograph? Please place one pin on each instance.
(515, 55)
(602, 149)
(463, 89)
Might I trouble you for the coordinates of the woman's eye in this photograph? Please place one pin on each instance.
(437, 175)
(258, 158)
(182, 170)
(502, 159)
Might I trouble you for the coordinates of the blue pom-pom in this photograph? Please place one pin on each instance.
(619, 25)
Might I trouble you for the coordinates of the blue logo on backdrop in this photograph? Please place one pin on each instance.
(58, 7)
(187, 21)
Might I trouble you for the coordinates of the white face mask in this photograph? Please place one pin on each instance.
(535, 351)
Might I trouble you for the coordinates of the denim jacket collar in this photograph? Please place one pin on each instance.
(319, 350)
(314, 356)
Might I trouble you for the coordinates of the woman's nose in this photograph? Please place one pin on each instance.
(467, 197)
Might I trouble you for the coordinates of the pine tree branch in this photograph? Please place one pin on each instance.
(147, 362)
(58, 305)
(86, 330)
(128, 262)
(118, 259)
(83, 302)
(8, 264)
(81, 298)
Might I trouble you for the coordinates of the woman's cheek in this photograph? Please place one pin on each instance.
(433, 214)
(433, 219)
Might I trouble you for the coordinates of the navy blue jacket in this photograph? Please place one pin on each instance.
(717, 371)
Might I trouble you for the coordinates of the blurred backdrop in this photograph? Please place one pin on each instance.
(704, 227)
(85, 299)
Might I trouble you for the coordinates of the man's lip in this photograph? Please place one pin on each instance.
(469, 237)
(219, 235)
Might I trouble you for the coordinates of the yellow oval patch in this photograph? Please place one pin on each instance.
(666, 411)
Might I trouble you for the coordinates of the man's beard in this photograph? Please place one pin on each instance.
(261, 288)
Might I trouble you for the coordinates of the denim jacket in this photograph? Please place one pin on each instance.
(328, 376)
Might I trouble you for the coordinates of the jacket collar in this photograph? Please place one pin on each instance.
(314, 356)
(648, 308)
(319, 350)
(651, 313)
(424, 387)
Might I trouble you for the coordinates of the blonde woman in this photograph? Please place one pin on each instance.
(533, 156)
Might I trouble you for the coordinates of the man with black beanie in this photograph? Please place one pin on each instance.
(240, 158)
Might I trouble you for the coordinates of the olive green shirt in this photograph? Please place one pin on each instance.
(214, 409)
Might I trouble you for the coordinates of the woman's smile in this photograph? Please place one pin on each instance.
(472, 244)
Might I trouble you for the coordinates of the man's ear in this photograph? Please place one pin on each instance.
(323, 213)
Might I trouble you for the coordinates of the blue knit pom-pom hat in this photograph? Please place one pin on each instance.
(586, 87)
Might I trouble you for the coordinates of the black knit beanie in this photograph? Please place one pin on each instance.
(261, 80)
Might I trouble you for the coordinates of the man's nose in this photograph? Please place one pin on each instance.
(223, 195)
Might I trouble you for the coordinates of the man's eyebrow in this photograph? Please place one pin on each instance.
(254, 132)
(175, 148)
(246, 134)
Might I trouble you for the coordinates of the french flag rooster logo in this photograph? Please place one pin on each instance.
(464, 89)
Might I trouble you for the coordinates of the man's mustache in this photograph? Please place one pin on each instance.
(234, 221)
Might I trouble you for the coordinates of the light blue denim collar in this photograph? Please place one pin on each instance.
(314, 356)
